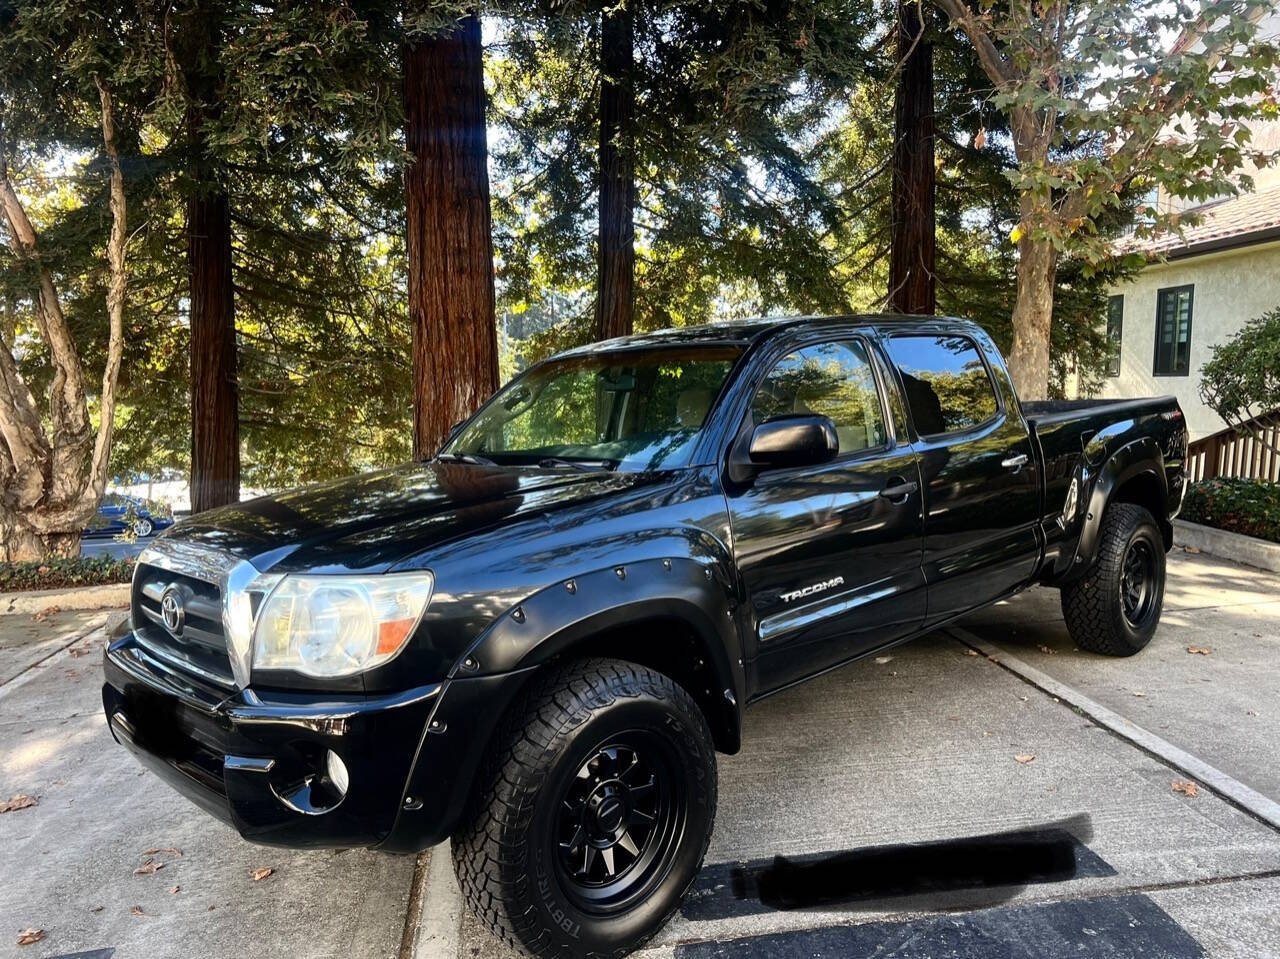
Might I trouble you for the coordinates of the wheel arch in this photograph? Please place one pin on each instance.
(677, 616)
(1135, 474)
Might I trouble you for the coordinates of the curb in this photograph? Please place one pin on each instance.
(1218, 542)
(113, 595)
(439, 933)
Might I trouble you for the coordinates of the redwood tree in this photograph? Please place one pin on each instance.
(215, 428)
(912, 280)
(450, 247)
(615, 297)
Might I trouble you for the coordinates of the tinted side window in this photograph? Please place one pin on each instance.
(831, 379)
(947, 384)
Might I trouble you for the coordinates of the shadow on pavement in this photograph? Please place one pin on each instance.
(1007, 861)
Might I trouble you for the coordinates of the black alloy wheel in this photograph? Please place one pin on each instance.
(1137, 583)
(621, 819)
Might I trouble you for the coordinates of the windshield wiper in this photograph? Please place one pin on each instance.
(584, 466)
(473, 458)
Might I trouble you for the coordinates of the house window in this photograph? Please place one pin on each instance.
(1173, 331)
(1115, 333)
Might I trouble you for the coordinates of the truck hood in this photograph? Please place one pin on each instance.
(371, 521)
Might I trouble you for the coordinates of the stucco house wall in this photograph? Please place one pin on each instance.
(1231, 288)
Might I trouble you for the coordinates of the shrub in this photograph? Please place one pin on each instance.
(1251, 507)
(59, 573)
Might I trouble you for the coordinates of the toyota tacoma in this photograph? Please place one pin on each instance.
(535, 643)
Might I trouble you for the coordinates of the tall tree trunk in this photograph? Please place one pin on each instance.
(450, 244)
(1033, 308)
(615, 300)
(215, 426)
(912, 280)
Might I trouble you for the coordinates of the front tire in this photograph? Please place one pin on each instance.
(143, 526)
(1115, 607)
(595, 811)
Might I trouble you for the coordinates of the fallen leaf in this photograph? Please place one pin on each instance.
(45, 613)
(1046, 649)
(171, 850)
(1198, 650)
(30, 936)
(95, 908)
(148, 868)
(1186, 788)
(174, 890)
(881, 660)
(136, 911)
(18, 802)
(1026, 759)
(1192, 549)
(971, 652)
(260, 874)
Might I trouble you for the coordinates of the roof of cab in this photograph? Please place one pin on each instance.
(748, 331)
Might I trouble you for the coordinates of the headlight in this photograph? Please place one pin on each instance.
(322, 626)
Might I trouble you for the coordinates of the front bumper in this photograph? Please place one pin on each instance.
(252, 758)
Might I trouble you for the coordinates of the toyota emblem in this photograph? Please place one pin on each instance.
(172, 610)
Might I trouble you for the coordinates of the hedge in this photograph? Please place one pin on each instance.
(1251, 507)
(60, 573)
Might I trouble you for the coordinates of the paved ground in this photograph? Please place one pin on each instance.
(920, 749)
(915, 747)
(69, 862)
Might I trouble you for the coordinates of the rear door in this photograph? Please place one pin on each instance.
(981, 489)
(830, 554)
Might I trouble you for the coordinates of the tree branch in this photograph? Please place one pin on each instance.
(1000, 71)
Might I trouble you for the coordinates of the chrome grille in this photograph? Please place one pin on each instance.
(193, 575)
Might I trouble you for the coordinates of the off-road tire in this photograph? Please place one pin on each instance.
(505, 856)
(1093, 605)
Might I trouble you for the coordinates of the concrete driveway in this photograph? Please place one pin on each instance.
(929, 747)
(76, 864)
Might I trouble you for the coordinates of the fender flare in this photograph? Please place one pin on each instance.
(1142, 456)
(553, 621)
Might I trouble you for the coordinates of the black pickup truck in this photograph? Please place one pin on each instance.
(535, 643)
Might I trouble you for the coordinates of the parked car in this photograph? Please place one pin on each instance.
(536, 643)
(119, 514)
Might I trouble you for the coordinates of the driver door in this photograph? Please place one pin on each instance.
(830, 553)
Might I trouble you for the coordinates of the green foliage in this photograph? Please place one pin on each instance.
(1251, 507)
(58, 573)
(1100, 101)
(1241, 380)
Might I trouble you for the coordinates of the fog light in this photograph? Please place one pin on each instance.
(336, 770)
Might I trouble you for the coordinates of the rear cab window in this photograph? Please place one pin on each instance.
(947, 384)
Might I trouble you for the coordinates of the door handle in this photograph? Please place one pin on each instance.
(898, 492)
(1015, 463)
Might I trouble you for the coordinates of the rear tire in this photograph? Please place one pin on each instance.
(593, 813)
(1115, 607)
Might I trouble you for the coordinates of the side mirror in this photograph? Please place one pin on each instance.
(801, 439)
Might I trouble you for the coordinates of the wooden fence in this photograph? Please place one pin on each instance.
(1232, 453)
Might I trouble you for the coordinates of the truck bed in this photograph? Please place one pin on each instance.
(1044, 413)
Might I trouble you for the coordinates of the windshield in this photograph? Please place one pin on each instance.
(634, 410)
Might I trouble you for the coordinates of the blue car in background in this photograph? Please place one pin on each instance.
(118, 514)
